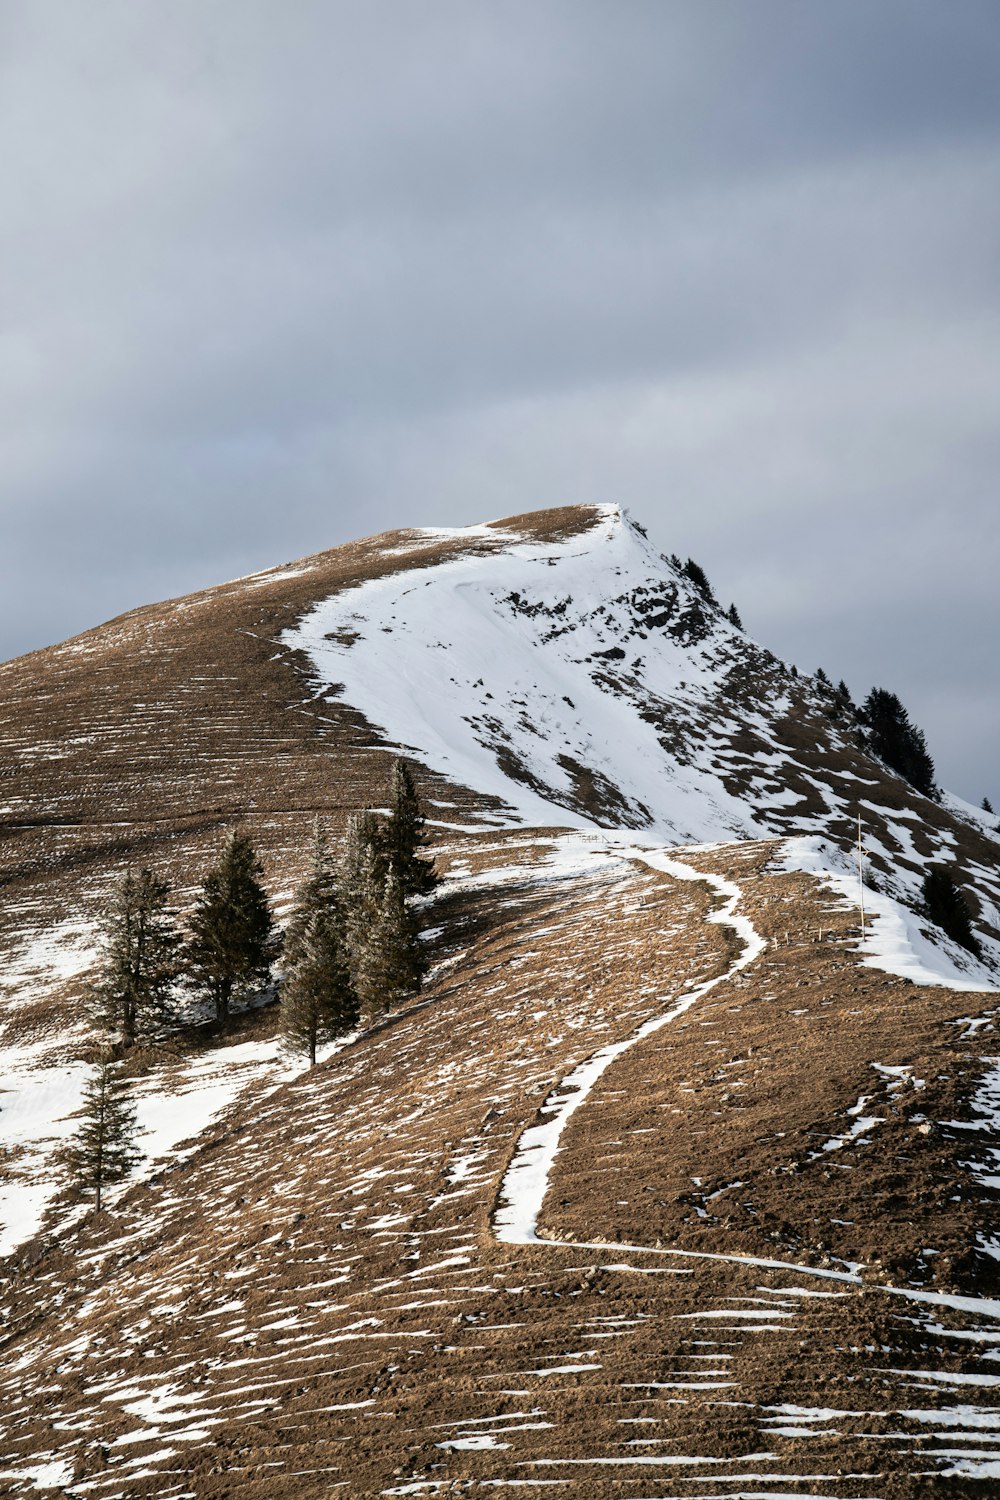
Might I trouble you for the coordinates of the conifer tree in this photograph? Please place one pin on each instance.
(400, 937)
(892, 737)
(404, 836)
(362, 881)
(822, 678)
(949, 910)
(987, 805)
(103, 1150)
(733, 616)
(699, 578)
(362, 874)
(383, 945)
(389, 963)
(233, 939)
(139, 964)
(318, 1002)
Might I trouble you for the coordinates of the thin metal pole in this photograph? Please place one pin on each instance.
(861, 878)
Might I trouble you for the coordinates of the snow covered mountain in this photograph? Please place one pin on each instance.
(550, 668)
(586, 680)
(558, 1220)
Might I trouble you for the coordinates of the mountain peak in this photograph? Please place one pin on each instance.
(573, 675)
(626, 1058)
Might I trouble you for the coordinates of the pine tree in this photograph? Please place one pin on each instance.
(364, 850)
(733, 616)
(389, 963)
(893, 738)
(139, 965)
(318, 1002)
(384, 951)
(404, 836)
(233, 940)
(699, 578)
(400, 937)
(948, 909)
(843, 692)
(822, 678)
(362, 874)
(987, 805)
(103, 1150)
(362, 881)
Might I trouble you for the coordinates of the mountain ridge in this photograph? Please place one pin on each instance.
(678, 724)
(767, 1136)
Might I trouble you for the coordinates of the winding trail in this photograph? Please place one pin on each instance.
(526, 1181)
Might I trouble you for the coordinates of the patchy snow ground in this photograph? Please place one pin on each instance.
(503, 674)
(38, 1105)
(163, 1398)
(526, 1180)
(895, 941)
(61, 952)
(35, 1099)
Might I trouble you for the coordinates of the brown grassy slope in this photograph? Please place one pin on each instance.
(722, 1129)
(146, 738)
(315, 1302)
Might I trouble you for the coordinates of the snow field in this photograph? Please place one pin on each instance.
(446, 661)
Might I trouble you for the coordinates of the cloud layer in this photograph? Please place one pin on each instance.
(279, 276)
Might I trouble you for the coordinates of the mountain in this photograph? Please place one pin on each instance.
(581, 670)
(659, 1122)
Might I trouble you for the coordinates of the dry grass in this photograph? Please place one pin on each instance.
(314, 1301)
(319, 1297)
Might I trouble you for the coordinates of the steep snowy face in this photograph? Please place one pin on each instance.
(580, 676)
(588, 682)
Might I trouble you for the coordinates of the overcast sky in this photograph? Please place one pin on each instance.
(275, 275)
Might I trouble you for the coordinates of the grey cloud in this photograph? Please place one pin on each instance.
(272, 281)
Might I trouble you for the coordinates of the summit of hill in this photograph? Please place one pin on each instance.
(678, 1174)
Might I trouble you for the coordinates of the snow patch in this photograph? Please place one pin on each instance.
(894, 941)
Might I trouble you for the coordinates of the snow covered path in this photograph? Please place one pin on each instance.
(526, 1180)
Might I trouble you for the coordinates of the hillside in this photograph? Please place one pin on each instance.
(664, 1184)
